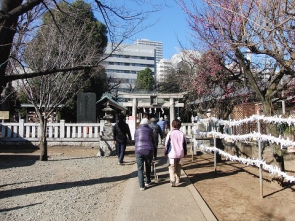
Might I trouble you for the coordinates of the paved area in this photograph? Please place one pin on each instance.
(160, 201)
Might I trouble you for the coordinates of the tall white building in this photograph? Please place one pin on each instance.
(126, 61)
(158, 45)
(186, 56)
(162, 67)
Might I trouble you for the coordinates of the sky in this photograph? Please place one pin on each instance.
(169, 23)
(172, 25)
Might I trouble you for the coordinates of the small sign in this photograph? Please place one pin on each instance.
(4, 115)
(132, 126)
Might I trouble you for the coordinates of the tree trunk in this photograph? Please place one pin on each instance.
(219, 144)
(271, 129)
(43, 140)
(7, 32)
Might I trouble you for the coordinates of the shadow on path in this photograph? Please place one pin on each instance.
(65, 185)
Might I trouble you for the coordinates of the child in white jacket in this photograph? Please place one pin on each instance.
(175, 150)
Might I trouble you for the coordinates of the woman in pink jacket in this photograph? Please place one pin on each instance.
(175, 149)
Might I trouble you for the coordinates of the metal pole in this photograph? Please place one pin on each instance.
(260, 158)
(193, 148)
(215, 154)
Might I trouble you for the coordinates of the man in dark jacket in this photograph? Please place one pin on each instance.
(144, 148)
(156, 132)
(120, 132)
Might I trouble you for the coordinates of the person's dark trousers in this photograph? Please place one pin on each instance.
(164, 136)
(120, 149)
(144, 160)
(155, 151)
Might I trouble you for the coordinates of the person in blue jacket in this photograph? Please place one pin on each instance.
(163, 124)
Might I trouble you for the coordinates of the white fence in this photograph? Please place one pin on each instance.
(187, 129)
(21, 131)
(59, 132)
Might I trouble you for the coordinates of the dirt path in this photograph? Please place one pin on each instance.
(233, 192)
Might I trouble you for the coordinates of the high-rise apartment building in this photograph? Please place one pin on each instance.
(126, 61)
(158, 45)
(177, 60)
(162, 67)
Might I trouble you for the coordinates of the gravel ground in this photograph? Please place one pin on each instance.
(76, 185)
(66, 187)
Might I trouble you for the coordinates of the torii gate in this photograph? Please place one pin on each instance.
(152, 100)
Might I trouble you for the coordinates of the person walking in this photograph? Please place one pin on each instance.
(163, 126)
(167, 123)
(175, 150)
(120, 132)
(145, 115)
(144, 148)
(157, 131)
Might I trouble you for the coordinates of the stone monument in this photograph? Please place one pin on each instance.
(106, 144)
(86, 108)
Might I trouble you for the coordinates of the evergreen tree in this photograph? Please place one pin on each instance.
(145, 80)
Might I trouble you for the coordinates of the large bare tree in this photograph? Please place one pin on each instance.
(214, 85)
(19, 18)
(82, 41)
(257, 36)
